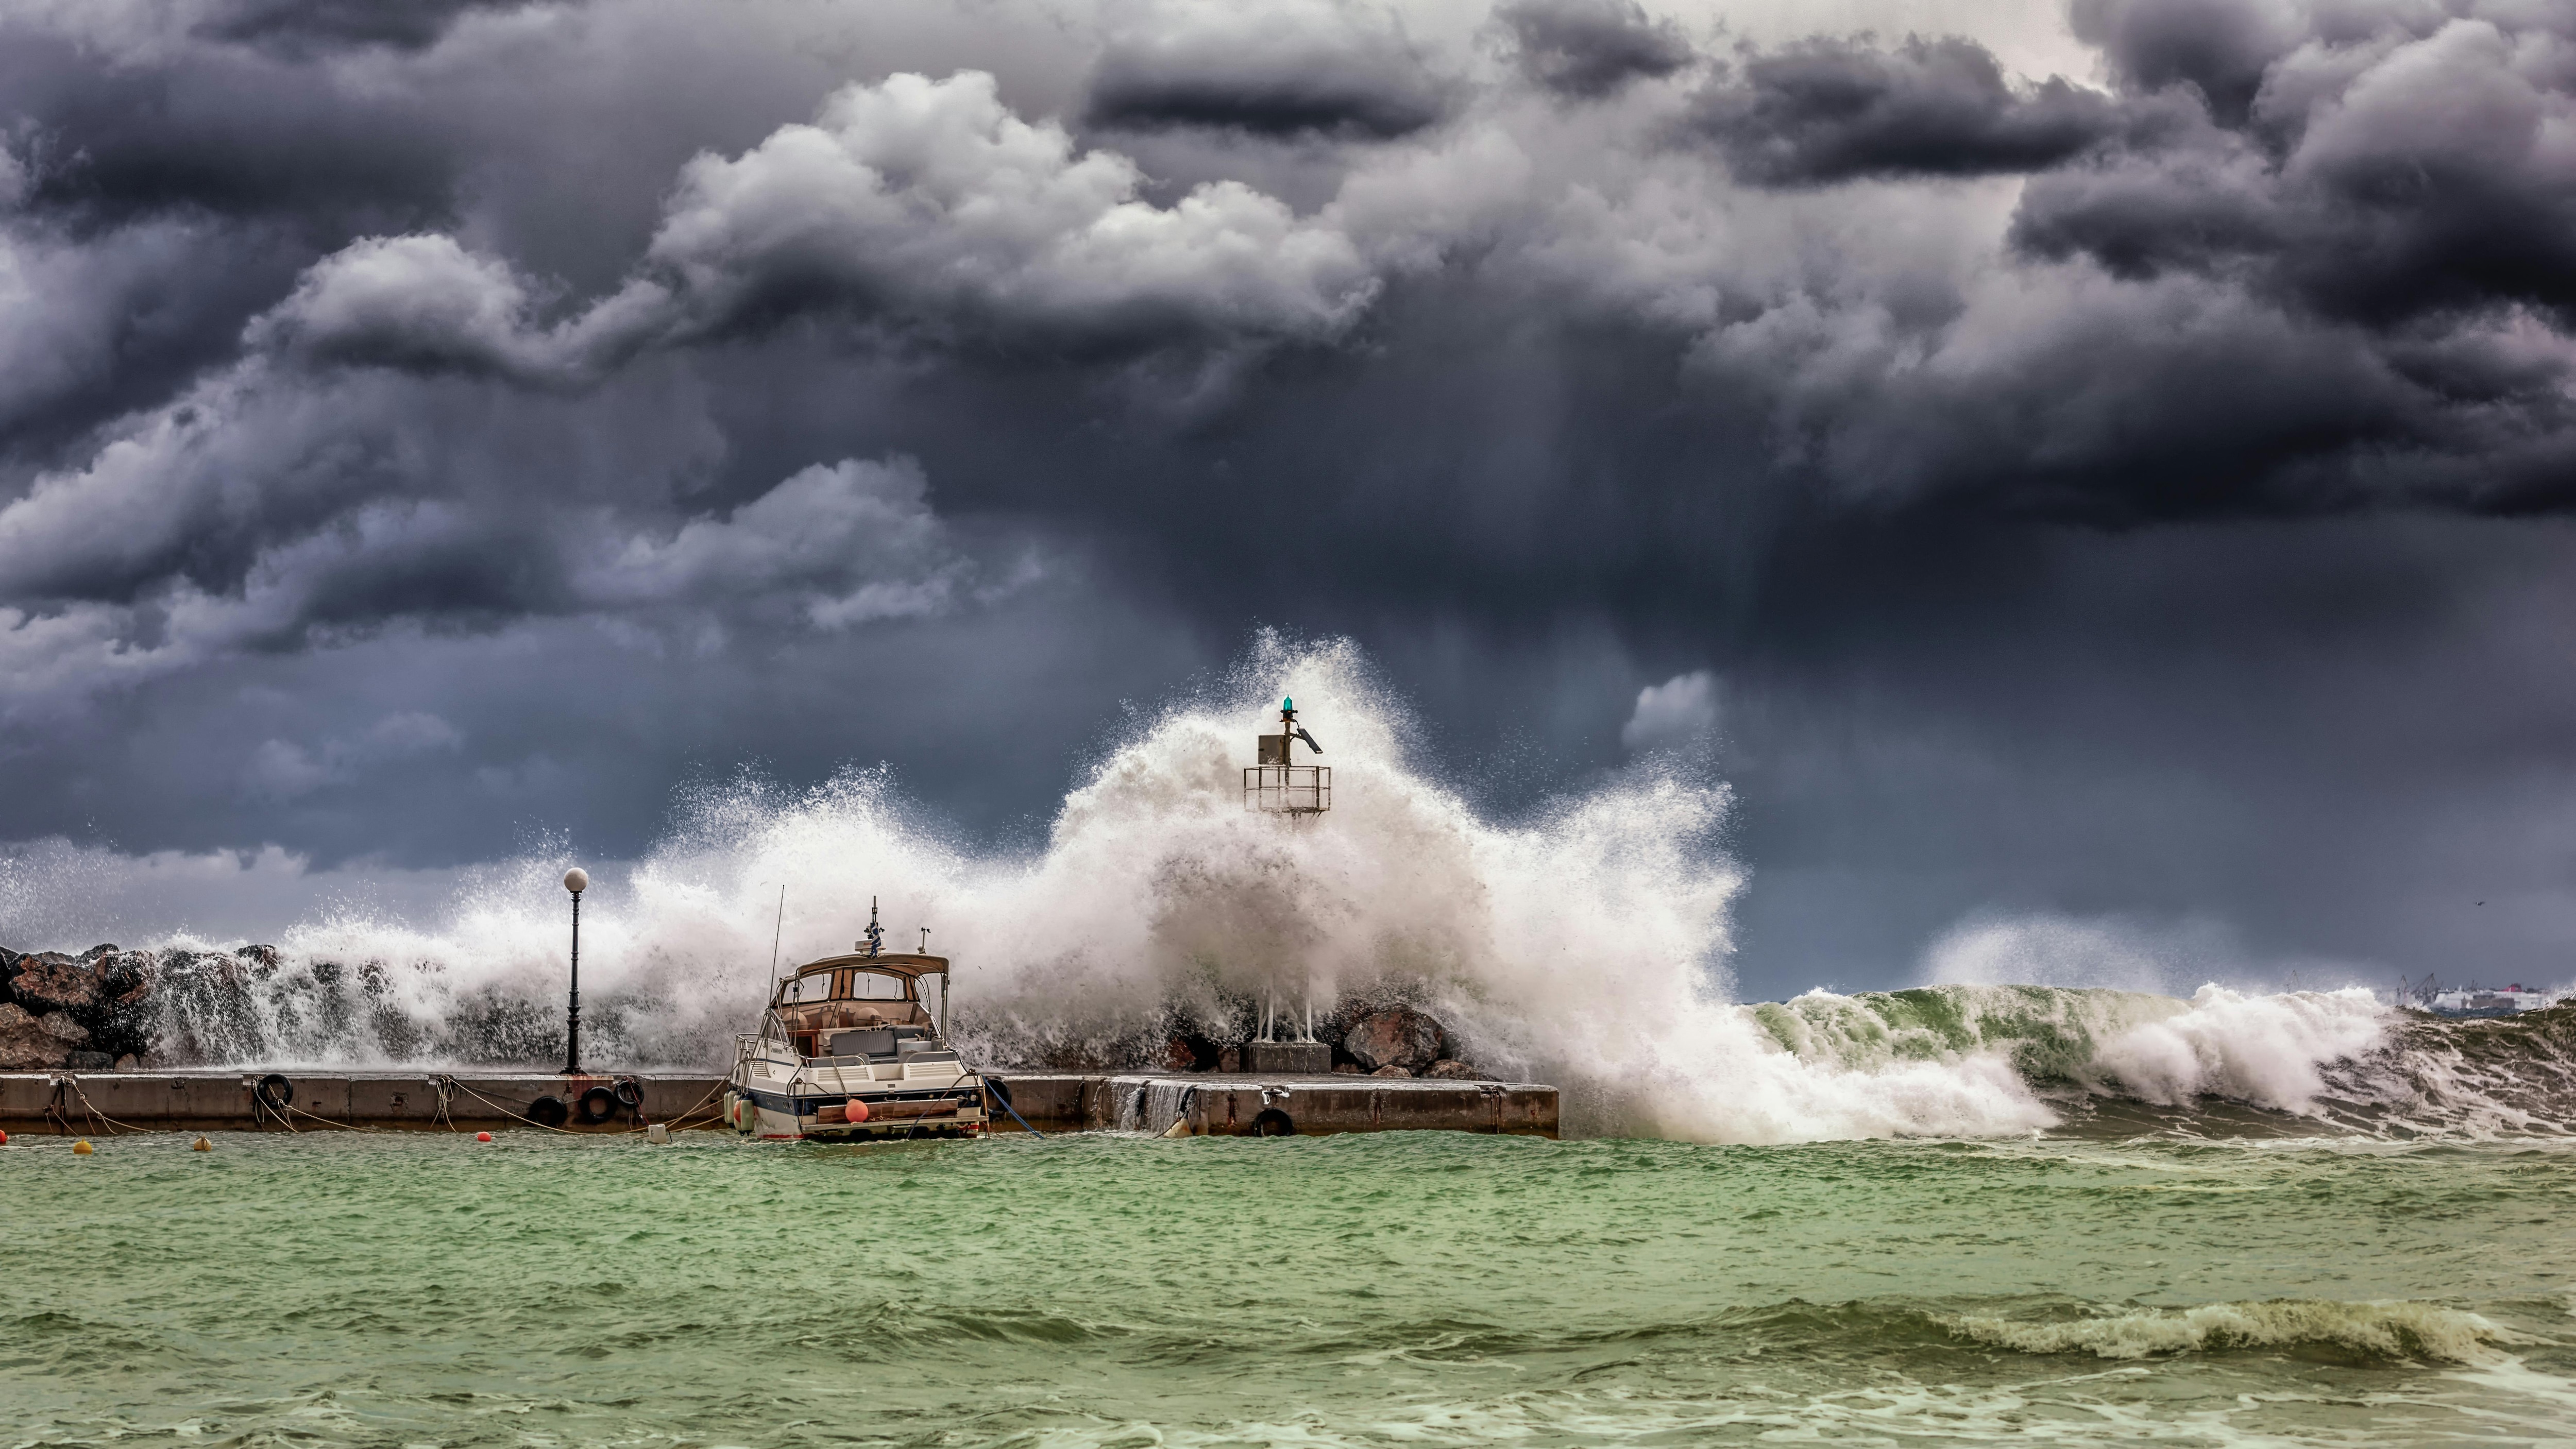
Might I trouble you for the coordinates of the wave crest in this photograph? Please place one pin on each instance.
(2392, 1330)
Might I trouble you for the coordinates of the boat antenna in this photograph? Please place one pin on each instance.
(777, 929)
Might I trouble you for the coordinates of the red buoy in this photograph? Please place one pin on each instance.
(4, 1139)
(856, 1111)
(482, 1136)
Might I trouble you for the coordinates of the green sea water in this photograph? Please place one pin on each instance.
(1399, 1289)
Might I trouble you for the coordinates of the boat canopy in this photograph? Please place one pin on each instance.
(893, 963)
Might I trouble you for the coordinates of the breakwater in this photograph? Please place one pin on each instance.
(1216, 1105)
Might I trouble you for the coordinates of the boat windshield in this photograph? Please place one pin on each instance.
(876, 986)
(852, 985)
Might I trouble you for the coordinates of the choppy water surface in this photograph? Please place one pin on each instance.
(1397, 1289)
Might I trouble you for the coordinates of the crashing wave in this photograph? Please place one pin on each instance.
(1585, 945)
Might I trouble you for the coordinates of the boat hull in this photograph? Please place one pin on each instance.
(780, 1117)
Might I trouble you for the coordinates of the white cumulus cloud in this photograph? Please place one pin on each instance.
(1674, 714)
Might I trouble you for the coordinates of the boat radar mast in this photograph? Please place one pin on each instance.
(1280, 786)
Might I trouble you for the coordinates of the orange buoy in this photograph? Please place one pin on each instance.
(855, 1110)
(82, 1148)
(4, 1139)
(482, 1136)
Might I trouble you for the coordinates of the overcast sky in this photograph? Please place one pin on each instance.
(2106, 462)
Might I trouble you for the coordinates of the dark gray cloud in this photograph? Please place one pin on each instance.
(1826, 111)
(305, 27)
(383, 407)
(1587, 49)
(1330, 69)
(104, 137)
(2396, 176)
(2220, 48)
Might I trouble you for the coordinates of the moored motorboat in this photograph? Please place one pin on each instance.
(848, 1050)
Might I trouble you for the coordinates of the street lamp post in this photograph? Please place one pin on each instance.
(576, 880)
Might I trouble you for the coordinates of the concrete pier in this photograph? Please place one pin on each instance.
(1235, 1105)
(201, 1101)
(99, 1103)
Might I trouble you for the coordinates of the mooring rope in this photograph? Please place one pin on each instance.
(693, 1106)
(90, 1108)
(67, 1086)
(506, 1112)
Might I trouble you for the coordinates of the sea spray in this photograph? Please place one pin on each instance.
(1584, 944)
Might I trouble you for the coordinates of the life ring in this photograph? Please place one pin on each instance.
(598, 1105)
(549, 1111)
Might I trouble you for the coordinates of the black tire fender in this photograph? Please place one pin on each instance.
(549, 1111)
(598, 1105)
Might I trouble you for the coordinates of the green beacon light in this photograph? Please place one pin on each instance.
(1287, 704)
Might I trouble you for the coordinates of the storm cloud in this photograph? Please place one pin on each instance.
(683, 375)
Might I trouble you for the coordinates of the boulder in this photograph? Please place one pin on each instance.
(1177, 1056)
(90, 1062)
(1394, 1036)
(1230, 1060)
(111, 993)
(51, 981)
(1452, 1070)
(1392, 1070)
(29, 1043)
(1347, 1069)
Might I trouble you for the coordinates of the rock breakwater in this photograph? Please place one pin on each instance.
(90, 1012)
(104, 1008)
(1368, 1039)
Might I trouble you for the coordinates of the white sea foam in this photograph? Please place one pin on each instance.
(2267, 1050)
(1586, 944)
(2397, 1329)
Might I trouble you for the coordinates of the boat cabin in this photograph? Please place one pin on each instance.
(860, 1008)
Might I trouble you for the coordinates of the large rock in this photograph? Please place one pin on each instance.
(1394, 1036)
(109, 992)
(31, 1043)
(51, 981)
(1455, 1071)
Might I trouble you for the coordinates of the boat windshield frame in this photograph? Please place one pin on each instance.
(906, 968)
